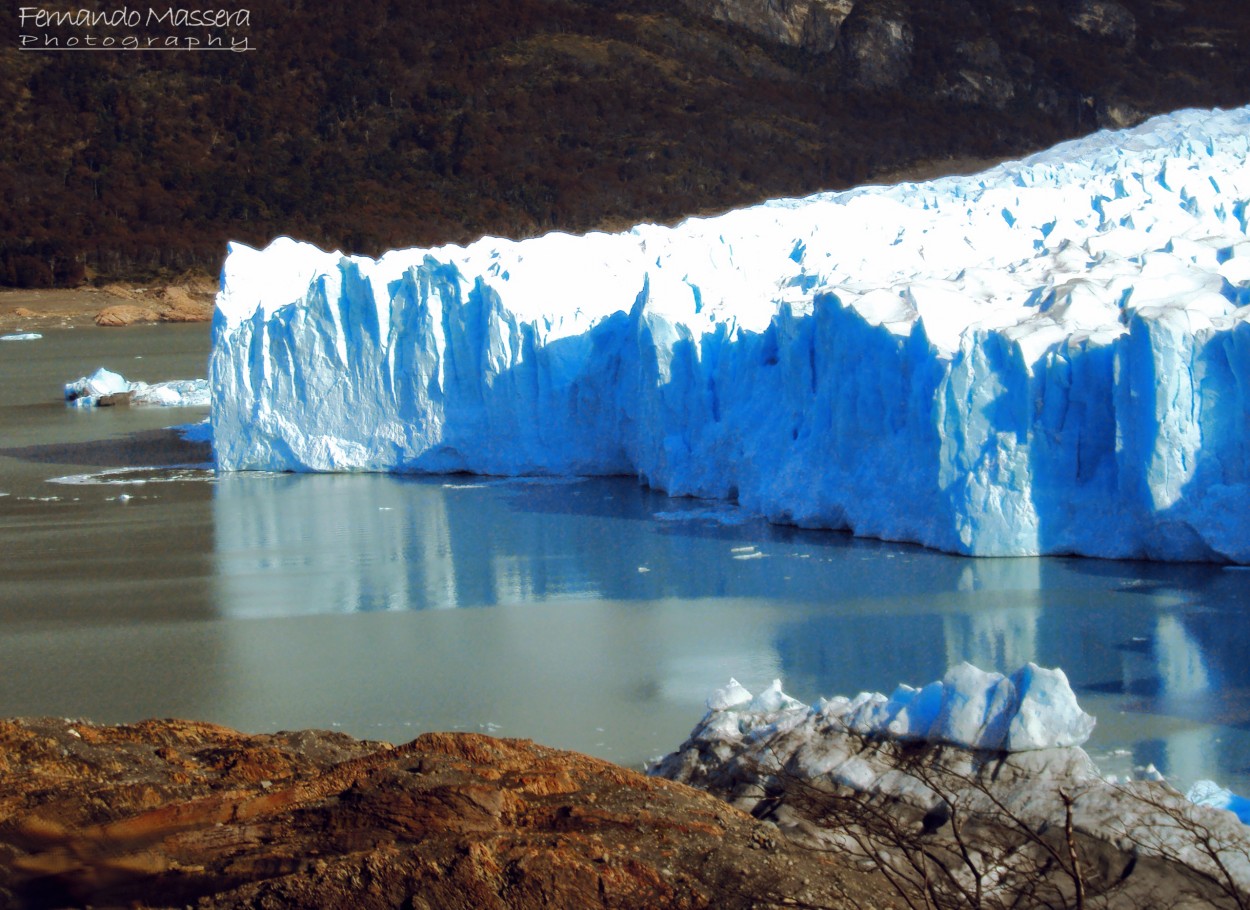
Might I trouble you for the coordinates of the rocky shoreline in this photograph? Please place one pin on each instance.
(176, 813)
(189, 299)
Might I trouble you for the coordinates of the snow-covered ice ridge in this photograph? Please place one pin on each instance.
(1034, 708)
(976, 745)
(1049, 357)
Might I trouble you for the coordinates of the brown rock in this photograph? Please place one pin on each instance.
(173, 295)
(168, 813)
(1105, 19)
(183, 303)
(190, 311)
(878, 45)
(812, 24)
(125, 314)
(122, 291)
(24, 312)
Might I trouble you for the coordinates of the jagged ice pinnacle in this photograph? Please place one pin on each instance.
(1052, 356)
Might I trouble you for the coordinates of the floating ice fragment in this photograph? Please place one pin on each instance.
(88, 390)
(1209, 793)
(186, 393)
(21, 336)
(103, 383)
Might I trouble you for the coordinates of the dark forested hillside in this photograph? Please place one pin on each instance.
(373, 124)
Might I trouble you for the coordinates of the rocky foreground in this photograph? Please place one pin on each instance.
(183, 814)
(175, 814)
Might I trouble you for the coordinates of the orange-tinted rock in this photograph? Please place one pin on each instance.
(125, 314)
(191, 311)
(170, 813)
(181, 303)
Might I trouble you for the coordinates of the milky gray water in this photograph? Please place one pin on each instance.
(592, 614)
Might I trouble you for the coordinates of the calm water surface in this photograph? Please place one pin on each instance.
(591, 614)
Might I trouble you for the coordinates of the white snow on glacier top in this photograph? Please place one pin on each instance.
(1058, 245)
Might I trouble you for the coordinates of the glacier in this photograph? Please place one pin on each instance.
(1050, 357)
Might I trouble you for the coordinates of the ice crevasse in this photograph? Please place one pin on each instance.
(1052, 356)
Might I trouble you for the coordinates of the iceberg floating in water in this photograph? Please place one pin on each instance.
(88, 391)
(1052, 356)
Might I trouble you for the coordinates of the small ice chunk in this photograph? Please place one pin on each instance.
(21, 336)
(730, 696)
(976, 708)
(1047, 715)
(1209, 793)
(88, 390)
(176, 393)
(773, 700)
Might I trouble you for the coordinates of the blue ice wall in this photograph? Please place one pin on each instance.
(1050, 357)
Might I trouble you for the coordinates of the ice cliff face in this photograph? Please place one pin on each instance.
(1049, 357)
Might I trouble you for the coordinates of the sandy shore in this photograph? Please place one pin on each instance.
(34, 310)
(112, 306)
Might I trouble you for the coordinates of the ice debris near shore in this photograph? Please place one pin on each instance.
(1052, 356)
(88, 391)
(978, 721)
(1034, 708)
(943, 762)
(22, 336)
(1209, 793)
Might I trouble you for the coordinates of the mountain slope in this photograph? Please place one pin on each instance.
(377, 125)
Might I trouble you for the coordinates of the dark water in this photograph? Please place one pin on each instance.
(592, 614)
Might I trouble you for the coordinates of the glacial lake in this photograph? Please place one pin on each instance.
(591, 614)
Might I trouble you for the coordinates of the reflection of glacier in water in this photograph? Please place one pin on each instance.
(672, 606)
(1182, 668)
(1003, 638)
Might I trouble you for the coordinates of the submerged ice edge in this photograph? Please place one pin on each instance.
(1050, 357)
(138, 475)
